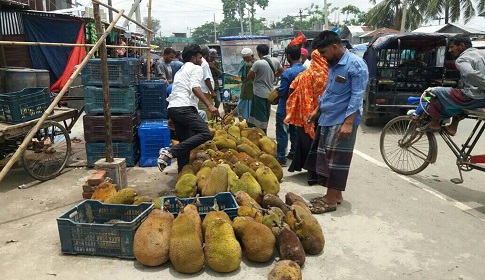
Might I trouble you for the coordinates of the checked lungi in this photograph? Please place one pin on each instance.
(451, 102)
(334, 156)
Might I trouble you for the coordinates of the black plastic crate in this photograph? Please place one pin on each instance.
(153, 99)
(24, 105)
(225, 200)
(122, 100)
(95, 228)
(127, 150)
(123, 127)
(122, 72)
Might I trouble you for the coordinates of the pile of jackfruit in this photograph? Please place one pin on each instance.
(219, 243)
(238, 158)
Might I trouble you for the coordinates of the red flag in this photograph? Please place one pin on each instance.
(299, 39)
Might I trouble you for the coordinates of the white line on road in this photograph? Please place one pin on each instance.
(465, 208)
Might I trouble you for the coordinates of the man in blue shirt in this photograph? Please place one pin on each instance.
(340, 115)
(293, 54)
(176, 63)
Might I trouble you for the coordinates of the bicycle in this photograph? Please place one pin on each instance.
(408, 148)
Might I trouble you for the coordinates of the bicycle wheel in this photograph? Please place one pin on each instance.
(48, 152)
(405, 150)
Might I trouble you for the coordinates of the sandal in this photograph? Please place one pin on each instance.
(321, 207)
(322, 199)
(161, 163)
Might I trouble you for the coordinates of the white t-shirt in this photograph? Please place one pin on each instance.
(307, 64)
(187, 78)
(206, 74)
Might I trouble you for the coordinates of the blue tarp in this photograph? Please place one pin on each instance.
(44, 29)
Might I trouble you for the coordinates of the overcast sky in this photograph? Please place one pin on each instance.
(182, 15)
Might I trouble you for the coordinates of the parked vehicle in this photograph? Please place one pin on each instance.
(404, 65)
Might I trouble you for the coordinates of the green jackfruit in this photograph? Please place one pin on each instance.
(267, 145)
(243, 198)
(222, 250)
(234, 131)
(203, 178)
(140, 199)
(151, 242)
(241, 168)
(225, 143)
(218, 182)
(186, 186)
(251, 144)
(270, 200)
(212, 215)
(252, 186)
(186, 253)
(187, 169)
(306, 228)
(267, 180)
(271, 162)
(245, 148)
(193, 213)
(124, 196)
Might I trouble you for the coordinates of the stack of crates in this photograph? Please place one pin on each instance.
(153, 131)
(125, 116)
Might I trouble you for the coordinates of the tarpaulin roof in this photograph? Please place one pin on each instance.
(409, 40)
(248, 37)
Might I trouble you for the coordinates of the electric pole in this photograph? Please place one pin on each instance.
(215, 29)
(326, 14)
(403, 20)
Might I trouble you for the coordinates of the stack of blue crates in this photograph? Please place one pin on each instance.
(123, 89)
(153, 131)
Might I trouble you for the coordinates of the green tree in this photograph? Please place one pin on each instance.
(357, 16)
(155, 26)
(451, 9)
(240, 7)
(388, 13)
(204, 34)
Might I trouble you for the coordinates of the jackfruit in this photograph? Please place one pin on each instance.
(289, 246)
(267, 180)
(273, 200)
(291, 198)
(257, 240)
(124, 196)
(241, 168)
(255, 165)
(203, 178)
(242, 124)
(230, 156)
(243, 198)
(104, 191)
(187, 169)
(241, 156)
(270, 218)
(193, 213)
(212, 215)
(218, 182)
(196, 166)
(225, 143)
(271, 162)
(140, 199)
(252, 186)
(251, 144)
(306, 228)
(200, 155)
(186, 186)
(245, 148)
(250, 211)
(151, 242)
(209, 145)
(157, 202)
(186, 251)
(267, 145)
(234, 131)
(285, 269)
(253, 135)
(220, 133)
(222, 250)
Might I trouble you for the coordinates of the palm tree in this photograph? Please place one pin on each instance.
(388, 13)
(452, 9)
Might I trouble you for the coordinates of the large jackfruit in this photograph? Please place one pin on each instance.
(217, 181)
(222, 250)
(267, 145)
(267, 180)
(271, 162)
(249, 185)
(285, 269)
(245, 148)
(257, 240)
(193, 213)
(104, 191)
(241, 168)
(124, 196)
(152, 239)
(307, 228)
(186, 186)
(212, 215)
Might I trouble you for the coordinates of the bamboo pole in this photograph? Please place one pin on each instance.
(16, 43)
(128, 18)
(47, 112)
(103, 54)
(149, 22)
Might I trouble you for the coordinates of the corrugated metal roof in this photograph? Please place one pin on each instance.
(468, 29)
(440, 28)
(359, 29)
(429, 29)
(378, 31)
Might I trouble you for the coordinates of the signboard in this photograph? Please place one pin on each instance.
(279, 32)
(178, 40)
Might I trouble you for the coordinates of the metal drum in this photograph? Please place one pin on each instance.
(42, 77)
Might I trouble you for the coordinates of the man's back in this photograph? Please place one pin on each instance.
(189, 76)
(264, 76)
(471, 64)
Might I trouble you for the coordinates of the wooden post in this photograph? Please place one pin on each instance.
(105, 79)
(48, 111)
(149, 23)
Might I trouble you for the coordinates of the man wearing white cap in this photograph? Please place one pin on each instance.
(246, 97)
(263, 72)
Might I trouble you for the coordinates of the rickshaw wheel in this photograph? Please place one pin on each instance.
(404, 149)
(48, 152)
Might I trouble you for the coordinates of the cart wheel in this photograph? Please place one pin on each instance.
(405, 150)
(48, 152)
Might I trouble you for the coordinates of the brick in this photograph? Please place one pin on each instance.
(87, 195)
(88, 188)
(96, 177)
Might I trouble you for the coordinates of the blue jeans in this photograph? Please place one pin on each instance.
(282, 131)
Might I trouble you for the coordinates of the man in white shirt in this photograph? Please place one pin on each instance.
(191, 129)
(207, 85)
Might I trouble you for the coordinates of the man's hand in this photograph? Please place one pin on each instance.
(170, 124)
(213, 110)
(311, 118)
(345, 130)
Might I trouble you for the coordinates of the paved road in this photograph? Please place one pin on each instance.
(388, 227)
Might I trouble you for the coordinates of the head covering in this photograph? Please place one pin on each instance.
(308, 86)
(304, 51)
(213, 53)
(246, 52)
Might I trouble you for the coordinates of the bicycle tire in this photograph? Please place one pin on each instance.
(49, 160)
(407, 156)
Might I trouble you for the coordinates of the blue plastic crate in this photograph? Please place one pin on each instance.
(122, 72)
(96, 151)
(153, 99)
(225, 200)
(85, 229)
(122, 100)
(24, 105)
(154, 135)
